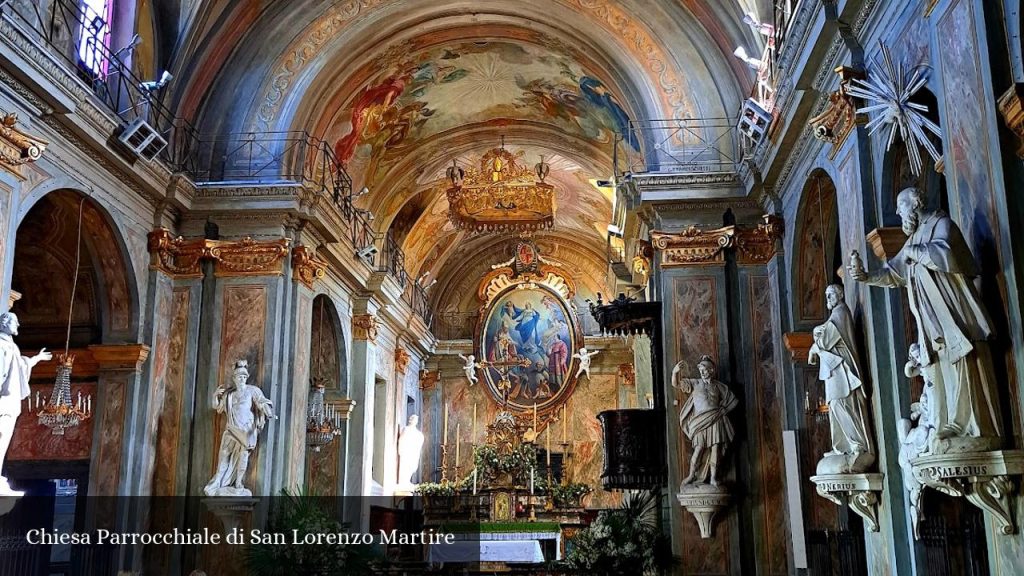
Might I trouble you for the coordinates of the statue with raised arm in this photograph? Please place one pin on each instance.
(704, 420)
(247, 411)
(15, 371)
(470, 368)
(835, 352)
(584, 358)
(938, 270)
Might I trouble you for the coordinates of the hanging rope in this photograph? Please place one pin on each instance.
(74, 281)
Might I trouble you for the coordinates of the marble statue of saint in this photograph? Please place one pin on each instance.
(835, 352)
(15, 371)
(410, 444)
(704, 420)
(247, 411)
(584, 357)
(915, 440)
(938, 270)
(470, 368)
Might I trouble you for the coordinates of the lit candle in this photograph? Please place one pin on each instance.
(88, 404)
(549, 445)
(535, 418)
(445, 423)
(458, 441)
(531, 481)
(39, 402)
(474, 481)
(472, 438)
(565, 420)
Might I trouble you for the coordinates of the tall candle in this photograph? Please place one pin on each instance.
(565, 421)
(472, 438)
(445, 423)
(531, 481)
(549, 446)
(474, 481)
(535, 418)
(458, 441)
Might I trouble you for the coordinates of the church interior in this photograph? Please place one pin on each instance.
(534, 287)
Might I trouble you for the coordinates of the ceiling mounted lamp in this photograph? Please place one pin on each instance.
(500, 195)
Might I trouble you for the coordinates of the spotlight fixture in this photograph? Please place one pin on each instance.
(427, 287)
(366, 214)
(741, 53)
(362, 192)
(367, 252)
(131, 45)
(423, 278)
(153, 86)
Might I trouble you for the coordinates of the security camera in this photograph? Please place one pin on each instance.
(152, 86)
(367, 252)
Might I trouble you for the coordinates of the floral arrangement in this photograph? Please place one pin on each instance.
(441, 489)
(566, 495)
(517, 463)
(307, 514)
(623, 540)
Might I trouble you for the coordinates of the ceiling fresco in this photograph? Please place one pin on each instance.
(446, 87)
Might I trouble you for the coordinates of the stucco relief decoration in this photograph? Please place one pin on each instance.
(402, 358)
(17, 147)
(889, 89)
(247, 257)
(758, 245)
(306, 267)
(837, 121)
(365, 327)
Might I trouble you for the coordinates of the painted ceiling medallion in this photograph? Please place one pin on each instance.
(500, 195)
(889, 90)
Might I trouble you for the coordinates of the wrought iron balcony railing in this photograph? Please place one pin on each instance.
(681, 146)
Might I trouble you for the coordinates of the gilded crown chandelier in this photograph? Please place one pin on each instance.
(500, 194)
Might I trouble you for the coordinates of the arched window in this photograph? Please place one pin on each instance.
(94, 35)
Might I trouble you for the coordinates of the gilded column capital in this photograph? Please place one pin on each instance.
(835, 124)
(693, 246)
(248, 257)
(176, 257)
(306, 267)
(758, 245)
(16, 147)
(365, 327)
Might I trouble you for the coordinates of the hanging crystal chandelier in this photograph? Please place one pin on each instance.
(500, 195)
(59, 413)
(323, 420)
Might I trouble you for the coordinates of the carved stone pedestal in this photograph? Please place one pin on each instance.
(231, 512)
(704, 502)
(858, 490)
(981, 477)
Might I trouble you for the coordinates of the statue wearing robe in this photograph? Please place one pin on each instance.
(410, 445)
(15, 371)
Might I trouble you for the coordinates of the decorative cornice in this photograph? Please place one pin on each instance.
(886, 242)
(659, 181)
(402, 358)
(17, 147)
(365, 328)
(693, 246)
(837, 122)
(182, 258)
(799, 345)
(1011, 105)
(429, 379)
(120, 356)
(344, 407)
(758, 245)
(306, 267)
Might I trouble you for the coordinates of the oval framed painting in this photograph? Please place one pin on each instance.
(526, 339)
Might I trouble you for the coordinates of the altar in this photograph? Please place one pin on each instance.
(508, 547)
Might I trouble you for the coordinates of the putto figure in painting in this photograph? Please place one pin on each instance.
(247, 411)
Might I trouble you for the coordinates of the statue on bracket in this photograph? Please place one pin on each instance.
(584, 358)
(835, 352)
(938, 270)
(15, 371)
(704, 420)
(247, 411)
(410, 446)
(914, 440)
(470, 368)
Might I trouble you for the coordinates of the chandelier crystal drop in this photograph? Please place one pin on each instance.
(500, 194)
(59, 413)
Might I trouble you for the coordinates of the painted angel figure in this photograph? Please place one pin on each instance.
(470, 368)
(704, 420)
(584, 358)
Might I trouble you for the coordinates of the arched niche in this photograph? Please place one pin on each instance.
(327, 361)
(817, 248)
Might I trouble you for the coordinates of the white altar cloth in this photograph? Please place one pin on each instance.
(511, 551)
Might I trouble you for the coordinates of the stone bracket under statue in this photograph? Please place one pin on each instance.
(860, 491)
(984, 478)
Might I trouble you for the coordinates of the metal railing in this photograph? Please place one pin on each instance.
(79, 39)
(686, 145)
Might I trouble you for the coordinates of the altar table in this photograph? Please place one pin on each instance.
(509, 547)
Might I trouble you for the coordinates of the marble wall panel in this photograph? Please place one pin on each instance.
(111, 433)
(168, 432)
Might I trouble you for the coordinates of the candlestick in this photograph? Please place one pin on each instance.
(445, 423)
